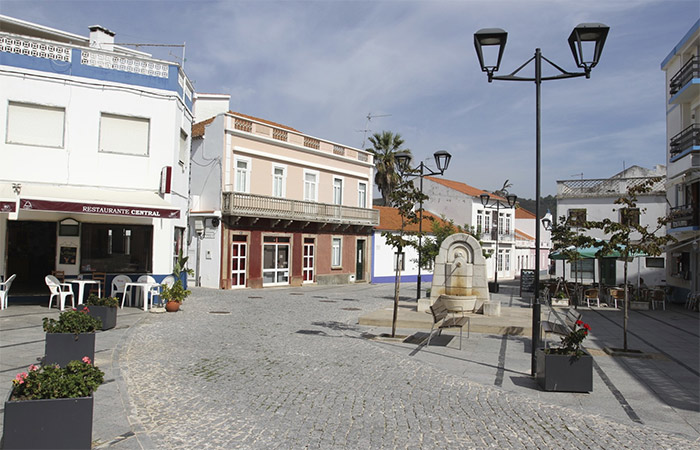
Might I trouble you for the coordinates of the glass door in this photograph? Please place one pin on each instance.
(239, 250)
(275, 260)
(308, 261)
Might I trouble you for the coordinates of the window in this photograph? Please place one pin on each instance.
(183, 147)
(310, 186)
(362, 194)
(427, 264)
(336, 247)
(116, 248)
(629, 216)
(501, 228)
(577, 217)
(337, 191)
(275, 260)
(24, 120)
(242, 181)
(487, 224)
(399, 261)
(479, 221)
(177, 243)
(500, 261)
(507, 261)
(122, 134)
(584, 268)
(506, 230)
(655, 263)
(279, 181)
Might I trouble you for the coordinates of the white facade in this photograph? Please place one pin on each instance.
(682, 69)
(594, 198)
(88, 139)
(384, 262)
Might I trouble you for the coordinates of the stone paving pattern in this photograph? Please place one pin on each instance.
(289, 368)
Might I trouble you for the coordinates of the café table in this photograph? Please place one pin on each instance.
(145, 288)
(81, 288)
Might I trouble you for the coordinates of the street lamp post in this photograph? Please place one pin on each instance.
(511, 199)
(403, 162)
(586, 42)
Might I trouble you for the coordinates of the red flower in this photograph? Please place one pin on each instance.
(587, 327)
(579, 322)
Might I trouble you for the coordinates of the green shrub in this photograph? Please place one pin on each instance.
(176, 293)
(94, 300)
(72, 321)
(77, 379)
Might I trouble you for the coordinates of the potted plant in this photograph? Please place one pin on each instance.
(560, 298)
(567, 368)
(174, 295)
(103, 308)
(70, 337)
(40, 400)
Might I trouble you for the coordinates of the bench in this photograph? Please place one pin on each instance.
(561, 326)
(442, 319)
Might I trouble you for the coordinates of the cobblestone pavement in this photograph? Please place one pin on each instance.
(289, 368)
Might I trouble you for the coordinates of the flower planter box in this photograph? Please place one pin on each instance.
(107, 314)
(564, 373)
(640, 306)
(62, 348)
(52, 423)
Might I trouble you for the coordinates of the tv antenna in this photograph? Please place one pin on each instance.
(370, 116)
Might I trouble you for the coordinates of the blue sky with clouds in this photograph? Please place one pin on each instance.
(322, 66)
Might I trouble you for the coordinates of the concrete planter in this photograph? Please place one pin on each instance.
(107, 314)
(43, 423)
(62, 348)
(639, 306)
(564, 373)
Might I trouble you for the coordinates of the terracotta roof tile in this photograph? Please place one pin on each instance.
(520, 235)
(199, 127)
(390, 220)
(522, 213)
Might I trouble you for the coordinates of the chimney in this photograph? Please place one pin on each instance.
(101, 38)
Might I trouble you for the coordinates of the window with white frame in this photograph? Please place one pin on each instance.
(183, 147)
(337, 191)
(336, 248)
(584, 268)
(362, 194)
(500, 261)
(279, 181)
(506, 262)
(501, 227)
(310, 186)
(479, 221)
(124, 134)
(38, 125)
(506, 229)
(487, 225)
(242, 176)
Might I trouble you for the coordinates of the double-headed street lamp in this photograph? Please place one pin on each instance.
(403, 162)
(497, 205)
(586, 42)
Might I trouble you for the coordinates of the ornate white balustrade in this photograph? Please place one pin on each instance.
(251, 205)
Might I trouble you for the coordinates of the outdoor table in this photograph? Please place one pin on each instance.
(81, 288)
(144, 287)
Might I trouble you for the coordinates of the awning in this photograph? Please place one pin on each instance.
(111, 202)
(590, 253)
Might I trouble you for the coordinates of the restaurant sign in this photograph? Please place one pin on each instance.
(92, 208)
(8, 206)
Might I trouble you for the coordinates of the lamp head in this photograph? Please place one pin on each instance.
(512, 198)
(485, 199)
(490, 37)
(547, 223)
(442, 160)
(403, 162)
(582, 38)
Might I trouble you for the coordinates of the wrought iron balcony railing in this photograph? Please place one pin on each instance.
(684, 216)
(685, 139)
(603, 187)
(690, 70)
(251, 205)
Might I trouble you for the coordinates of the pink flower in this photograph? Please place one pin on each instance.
(19, 378)
(33, 368)
(86, 360)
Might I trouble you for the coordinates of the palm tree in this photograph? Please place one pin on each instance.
(385, 147)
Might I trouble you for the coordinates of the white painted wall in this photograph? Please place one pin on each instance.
(384, 259)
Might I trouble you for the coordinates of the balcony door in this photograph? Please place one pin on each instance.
(275, 260)
(308, 260)
(239, 253)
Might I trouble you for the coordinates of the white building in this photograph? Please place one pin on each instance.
(682, 68)
(593, 200)
(525, 245)
(272, 206)
(95, 156)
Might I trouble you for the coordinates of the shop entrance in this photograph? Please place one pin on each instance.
(275, 260)
(31, 254)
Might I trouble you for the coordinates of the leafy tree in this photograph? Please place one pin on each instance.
(385, 147)
(629, 238)
(568, 237)
(441, 230)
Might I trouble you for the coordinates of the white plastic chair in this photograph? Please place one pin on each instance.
(5, 291)
(118, 283)
(59, 290)
(168, 281)
(151, 291)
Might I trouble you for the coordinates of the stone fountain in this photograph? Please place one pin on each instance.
(459, 277)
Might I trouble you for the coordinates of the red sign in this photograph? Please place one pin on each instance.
(8, 206)
(166, 176)
(92, 208)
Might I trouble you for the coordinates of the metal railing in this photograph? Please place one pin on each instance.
(685, 139)
(251, 205)
(601, 187)
(684, 216)
(690, 70)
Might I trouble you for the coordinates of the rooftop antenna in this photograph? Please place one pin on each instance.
(578, 175)
(370, 116)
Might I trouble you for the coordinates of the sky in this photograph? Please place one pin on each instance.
(334, 69)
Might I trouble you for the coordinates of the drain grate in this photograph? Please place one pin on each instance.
(351, 309)
(254, 297)
(219, 312)
(296, 293)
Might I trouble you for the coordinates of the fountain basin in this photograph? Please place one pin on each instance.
(466, 303)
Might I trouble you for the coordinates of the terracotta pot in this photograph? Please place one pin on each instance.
(172, 306)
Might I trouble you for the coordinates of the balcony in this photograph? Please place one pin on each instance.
(603, 187)
(684, 216)
(260, 206)
(685, 142)
(685, 84)
(502, 237)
